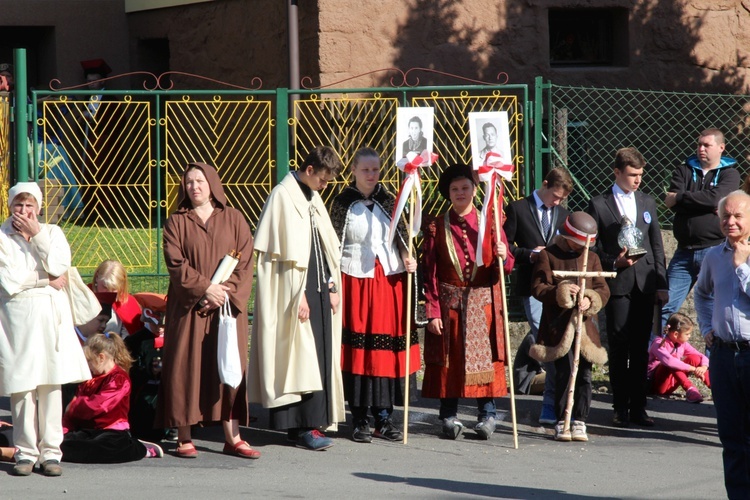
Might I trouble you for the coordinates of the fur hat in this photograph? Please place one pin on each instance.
(25, 187)
(452, 173)
(578, 226)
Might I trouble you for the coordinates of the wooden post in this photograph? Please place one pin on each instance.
(408, 318)
(508, 361)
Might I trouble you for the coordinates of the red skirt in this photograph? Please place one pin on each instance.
(373, 338)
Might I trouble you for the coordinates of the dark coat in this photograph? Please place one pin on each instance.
(649, 273)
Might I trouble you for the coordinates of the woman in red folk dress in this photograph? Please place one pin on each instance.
(464, 350)
(373, 357)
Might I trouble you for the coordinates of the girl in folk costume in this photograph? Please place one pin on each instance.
(373, 350)
(560, 307)
(464, 346)
(296, 341)
(96, 421)
(197, 237)
(39, 350)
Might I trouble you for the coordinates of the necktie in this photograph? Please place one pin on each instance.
(545, 222)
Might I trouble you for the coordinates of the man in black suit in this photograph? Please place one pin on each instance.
(641, 281)
(530, 224)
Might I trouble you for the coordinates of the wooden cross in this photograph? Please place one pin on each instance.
(581, 275)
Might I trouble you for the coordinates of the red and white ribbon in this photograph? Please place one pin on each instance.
(411, 181)
(491, 172)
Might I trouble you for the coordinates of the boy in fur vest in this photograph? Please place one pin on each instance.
(557, 328)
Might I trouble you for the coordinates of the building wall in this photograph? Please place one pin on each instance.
(696, 45)
(671, 45)
(231, 41)
(63, 33)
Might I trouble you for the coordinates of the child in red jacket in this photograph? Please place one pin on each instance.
(96, 421)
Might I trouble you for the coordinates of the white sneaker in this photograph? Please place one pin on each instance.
(153, 450)
(560, 433)
(578, 431)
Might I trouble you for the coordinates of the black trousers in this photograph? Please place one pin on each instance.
(629, 321)
(96, 446)
(582, 395)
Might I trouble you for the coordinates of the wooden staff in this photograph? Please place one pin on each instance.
(578, 274)
(508, 362)
(577, 343)
(408, 317)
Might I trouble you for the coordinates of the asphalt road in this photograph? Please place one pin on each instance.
(680, 458)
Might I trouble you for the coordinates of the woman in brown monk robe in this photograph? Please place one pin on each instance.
(197, 236)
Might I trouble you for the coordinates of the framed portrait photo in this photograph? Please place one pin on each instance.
(489, 132)
(414, 131)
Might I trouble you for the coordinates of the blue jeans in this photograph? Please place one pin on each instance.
(533, 309)
(485, 408)
(682, 274)
(730, 385)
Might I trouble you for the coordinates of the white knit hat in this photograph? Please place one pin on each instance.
(25, 187)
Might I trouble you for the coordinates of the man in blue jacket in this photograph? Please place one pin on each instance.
(694, 194)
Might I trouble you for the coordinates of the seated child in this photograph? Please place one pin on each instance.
(671, 359)
(95, 423)
(557, 328)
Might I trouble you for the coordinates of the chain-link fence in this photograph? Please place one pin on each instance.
(587, 125)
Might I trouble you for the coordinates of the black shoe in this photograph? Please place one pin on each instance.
(452, 427)
(621, 419)
(386, 430)
(640, 417)
(362, 433)
(485, 428)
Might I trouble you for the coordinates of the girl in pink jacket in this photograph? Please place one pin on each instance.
(671, 359)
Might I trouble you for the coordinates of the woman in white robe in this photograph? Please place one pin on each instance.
(39, 349)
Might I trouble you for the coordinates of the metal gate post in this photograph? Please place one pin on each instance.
(22, 116)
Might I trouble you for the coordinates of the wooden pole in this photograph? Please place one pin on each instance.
(508, 361)
(578, 274)
(408, 318)
(577, 342)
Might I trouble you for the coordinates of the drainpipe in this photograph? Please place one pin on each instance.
(294, 80)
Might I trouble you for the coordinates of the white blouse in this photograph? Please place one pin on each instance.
(366, 238)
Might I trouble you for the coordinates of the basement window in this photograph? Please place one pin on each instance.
(588, 37)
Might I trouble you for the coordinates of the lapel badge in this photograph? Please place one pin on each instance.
(647, 217)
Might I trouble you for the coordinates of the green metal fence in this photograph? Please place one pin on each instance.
(110, 161)
(584, 126)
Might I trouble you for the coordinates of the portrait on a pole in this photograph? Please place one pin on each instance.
(414, 131)
(489, 133)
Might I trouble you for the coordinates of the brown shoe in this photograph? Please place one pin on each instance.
(621, 419)
(51, 468)
(23, 468)
(641, 418)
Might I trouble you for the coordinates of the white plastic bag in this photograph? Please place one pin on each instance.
(230, 366)
(84, 306)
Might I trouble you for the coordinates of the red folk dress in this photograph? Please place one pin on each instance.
(468, 360)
